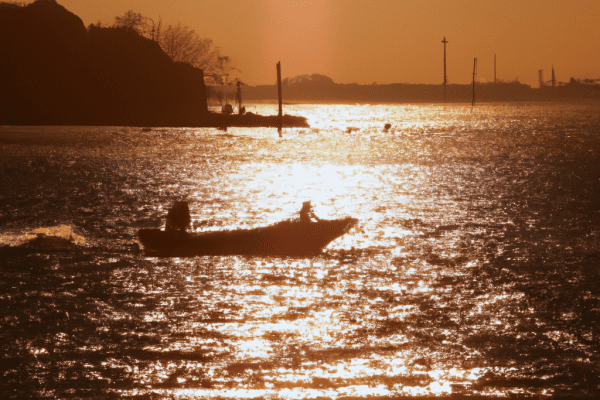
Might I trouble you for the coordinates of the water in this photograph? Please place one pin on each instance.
(474, 269)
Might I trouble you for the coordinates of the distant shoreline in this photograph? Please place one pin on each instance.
(212, 120)
(324, 90)
(293, 102)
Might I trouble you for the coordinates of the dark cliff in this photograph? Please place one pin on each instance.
(55, 71)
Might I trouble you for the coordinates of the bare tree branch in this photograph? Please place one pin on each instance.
(181, 43)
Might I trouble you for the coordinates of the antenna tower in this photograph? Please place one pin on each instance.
(445, 76)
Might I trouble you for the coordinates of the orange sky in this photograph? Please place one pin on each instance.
(385, 41)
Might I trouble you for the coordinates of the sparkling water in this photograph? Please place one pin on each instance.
(474, 268)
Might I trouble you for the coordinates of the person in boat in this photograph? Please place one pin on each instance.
(227, 109)
(307, 214)
(178, 217)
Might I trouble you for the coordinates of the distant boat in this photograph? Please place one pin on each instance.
(285, 238)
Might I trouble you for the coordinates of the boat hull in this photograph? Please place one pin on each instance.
(284, 238)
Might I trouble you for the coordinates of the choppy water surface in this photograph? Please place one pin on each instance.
(474, 270)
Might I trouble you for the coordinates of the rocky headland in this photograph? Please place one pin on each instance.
(55, 71)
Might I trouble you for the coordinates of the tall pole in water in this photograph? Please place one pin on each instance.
(445, 76)
(279, 128)
(474, 74)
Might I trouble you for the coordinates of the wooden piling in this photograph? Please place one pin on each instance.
(280, 98)
(494, 69)
(239, 97)
(474, 74)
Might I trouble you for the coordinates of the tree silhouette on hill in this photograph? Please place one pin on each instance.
(180, 42)
(55, 71)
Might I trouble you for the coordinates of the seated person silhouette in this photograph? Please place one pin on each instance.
(307, 214)
(178, 218)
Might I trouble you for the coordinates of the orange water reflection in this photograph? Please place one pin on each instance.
(333, 326)
(469, 272)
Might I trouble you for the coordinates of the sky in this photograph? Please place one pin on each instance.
(384, 41)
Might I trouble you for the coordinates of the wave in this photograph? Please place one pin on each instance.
(52, 238)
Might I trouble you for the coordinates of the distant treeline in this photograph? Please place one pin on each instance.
(322, 88)
(55, 71)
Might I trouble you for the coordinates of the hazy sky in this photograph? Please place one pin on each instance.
(385, 41)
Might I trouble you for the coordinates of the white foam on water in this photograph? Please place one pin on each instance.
(50, 234)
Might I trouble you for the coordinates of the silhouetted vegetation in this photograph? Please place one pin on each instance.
(180, 42)
(55, 71)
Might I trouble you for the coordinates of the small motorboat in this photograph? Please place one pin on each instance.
(286, 238)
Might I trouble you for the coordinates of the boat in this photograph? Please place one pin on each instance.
(285, 238)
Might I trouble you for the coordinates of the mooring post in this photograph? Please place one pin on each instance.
(474, 74)
(279, 128)
(494, 69)
(239, 96)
